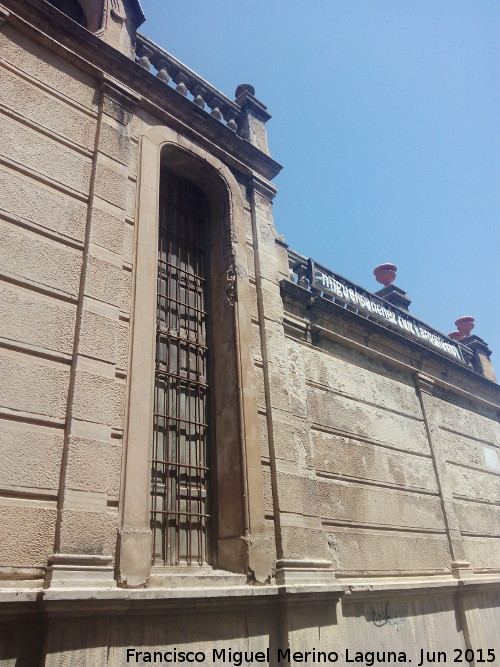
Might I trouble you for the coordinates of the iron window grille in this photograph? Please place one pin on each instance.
(181, 429)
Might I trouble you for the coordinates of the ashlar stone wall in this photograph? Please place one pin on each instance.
(399, 456)
(67, 175)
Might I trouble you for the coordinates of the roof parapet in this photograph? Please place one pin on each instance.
(245, 117)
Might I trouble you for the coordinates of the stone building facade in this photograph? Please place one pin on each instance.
(204, 449)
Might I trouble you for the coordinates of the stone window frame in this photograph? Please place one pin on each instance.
(240, 544)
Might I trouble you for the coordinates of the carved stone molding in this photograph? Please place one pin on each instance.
(118, 102)
(80, 571)
(425, 383)
(4, 15)
(291, 571)
(264, 187)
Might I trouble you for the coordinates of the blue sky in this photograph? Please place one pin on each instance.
(385, 119)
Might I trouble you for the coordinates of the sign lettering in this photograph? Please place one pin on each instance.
(343, 289)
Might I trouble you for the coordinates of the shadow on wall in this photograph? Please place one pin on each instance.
(105, 638)
(21, 642)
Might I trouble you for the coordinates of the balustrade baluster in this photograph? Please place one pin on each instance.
(230, 118)
(144, 54)
(214, 103)
(301, 272)
(199, 94)
(161, 66)
(181, 79)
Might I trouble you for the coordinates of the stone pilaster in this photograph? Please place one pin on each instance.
(460, 566)
(300, 542)
(253, 119)
(87, 520)
(481, 354)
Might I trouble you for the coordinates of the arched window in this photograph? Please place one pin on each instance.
(182, 415)
(192, 384)
(71, 8)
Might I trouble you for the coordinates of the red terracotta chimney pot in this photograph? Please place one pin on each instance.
(385, 273)
(456, 335)
(465, 325)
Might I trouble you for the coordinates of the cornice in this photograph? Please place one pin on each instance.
(316, 306)
(62, 35)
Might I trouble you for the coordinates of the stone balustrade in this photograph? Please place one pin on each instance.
(298, 269)
(187, 83)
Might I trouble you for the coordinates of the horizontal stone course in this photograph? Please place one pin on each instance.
(40, 107)
(103, 280)
(304, 543)
(114, 141)
(32, 387)
(40, 153)
(42, 65)
(93, 399)
(370, 551)
(474, 484)
(111, 183)
(351, 502)
(464, 450)
(40, 261)
(466, 422)
(353, 417)
(478, 518)
(42, 206)
(349, 457)
(98, 336)
(89, 532)
(27, 534)
(107, 230)
(30, 459)
(33, 319)
(93, 465)
(482, 552)
(367, 384)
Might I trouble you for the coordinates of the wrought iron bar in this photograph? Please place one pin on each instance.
(180, 466)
